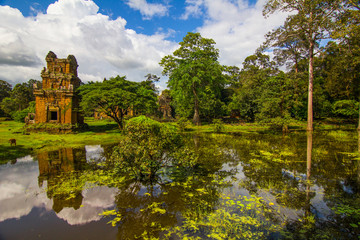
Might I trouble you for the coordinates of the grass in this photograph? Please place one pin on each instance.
(107, 132)
(102, 131)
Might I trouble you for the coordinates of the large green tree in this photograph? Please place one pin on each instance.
(257, 68)
(5, 90)
(23, 93)
(19, 97)
(311, 21)
(116, 96)
(195, 76)
(348, 32)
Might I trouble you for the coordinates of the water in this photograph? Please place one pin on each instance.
(301, 177)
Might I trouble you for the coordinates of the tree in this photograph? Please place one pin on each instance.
(8, 106)
(195, 75)
(5, 89)
(257, 68)
(313, 20)
(19, 97)
(287, 47)
(148, 146)
(23, 93)
(116, 96)
(348, 32)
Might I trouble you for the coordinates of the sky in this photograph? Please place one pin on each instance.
(123, 37)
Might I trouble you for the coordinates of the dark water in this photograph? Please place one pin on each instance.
(312, 182)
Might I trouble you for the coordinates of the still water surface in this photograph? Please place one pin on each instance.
(296, 174)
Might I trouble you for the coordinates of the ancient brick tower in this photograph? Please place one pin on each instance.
(57, 101)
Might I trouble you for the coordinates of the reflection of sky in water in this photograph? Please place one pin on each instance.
(319, 206)
(94, 153)
(20, 192)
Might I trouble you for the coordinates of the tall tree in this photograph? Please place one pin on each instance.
(195, 75)
(312, 20)
(116, 96)
(288, 48)
(348, 32)
(257, 68)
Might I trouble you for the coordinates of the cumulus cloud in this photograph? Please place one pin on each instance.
(237, 27)
(148, 10)
(103, 47)
(19, 195)
(95, 201)
(194, 8)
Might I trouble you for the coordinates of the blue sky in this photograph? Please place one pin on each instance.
(169, 21)
(123, 37)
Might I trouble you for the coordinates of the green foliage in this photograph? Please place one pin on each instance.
(117, 96)
(346, 108)
(112, 213)
(20, 115)
(182, 123)
(8, 106)
(147, 147)
(257, 69)
(18, 99)
(218, 125)
(236, 218)
(312, 22)
(5, 90)
(195, 76)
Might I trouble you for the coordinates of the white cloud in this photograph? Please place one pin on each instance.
(193, 9)
(148, 10)
(237, 27)
(95, 201)
(103, 47)
(19, 195)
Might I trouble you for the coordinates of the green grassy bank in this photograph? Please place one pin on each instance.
(107, 132)
(98, 132)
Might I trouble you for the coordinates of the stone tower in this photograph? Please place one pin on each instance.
(57, 101)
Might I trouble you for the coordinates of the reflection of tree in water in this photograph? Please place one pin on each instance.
(54, 167)
(148, 209)
(288, 172)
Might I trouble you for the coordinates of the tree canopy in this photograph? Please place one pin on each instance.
(313, 21)
(117, 96)
(195, 76)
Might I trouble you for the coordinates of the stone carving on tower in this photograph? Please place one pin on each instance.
(57, 101)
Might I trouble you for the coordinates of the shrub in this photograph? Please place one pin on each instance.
(148, 146)
(218, 125)
(346, 108)
(19, 116)
(182, 123)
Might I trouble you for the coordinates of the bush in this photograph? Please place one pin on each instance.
(148, 146)
(346, 108)
(182, 123)
(218, 125)
(19, 116)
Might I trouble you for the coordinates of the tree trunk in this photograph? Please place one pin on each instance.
(359, 122)
(310, 93)
(308, 173)
(196, 119)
